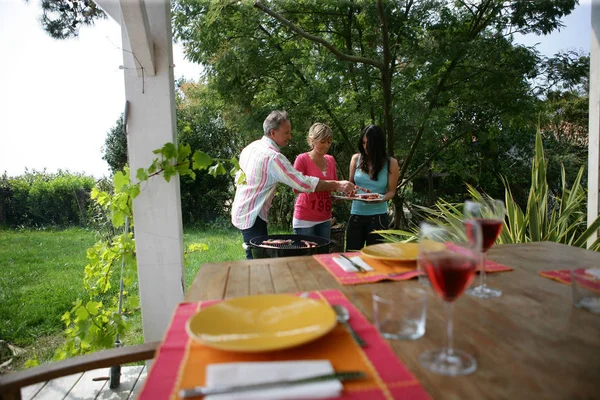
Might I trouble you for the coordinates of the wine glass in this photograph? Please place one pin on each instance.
(489, 214)
(449, 255)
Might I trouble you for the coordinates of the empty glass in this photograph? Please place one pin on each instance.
(400, 314)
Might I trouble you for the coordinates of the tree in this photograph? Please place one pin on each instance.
(62, 19)
(564, 114)
(433, 73)
(205, 198)
(115, 147)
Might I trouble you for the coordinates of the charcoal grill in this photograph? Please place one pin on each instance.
(296, 248)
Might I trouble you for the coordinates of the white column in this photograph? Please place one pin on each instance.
(594, 121)
(157, 210)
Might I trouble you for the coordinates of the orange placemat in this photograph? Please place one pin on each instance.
(564, 276)
(181, 362)
(382, 270)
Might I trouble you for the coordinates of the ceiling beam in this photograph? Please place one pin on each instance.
(111, 8)
(133, 17)
(135, 20)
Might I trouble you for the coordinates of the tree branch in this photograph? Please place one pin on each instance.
(342, 56)
(428, 160)
(303, 79)
(465, 5)
(432, 104)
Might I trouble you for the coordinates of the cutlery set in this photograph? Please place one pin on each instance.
(361, 269)
(205, 390)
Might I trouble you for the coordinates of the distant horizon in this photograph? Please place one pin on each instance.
(60, 98)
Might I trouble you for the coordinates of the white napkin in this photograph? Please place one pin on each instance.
(259, 372)
(346, 266)
(594, 272)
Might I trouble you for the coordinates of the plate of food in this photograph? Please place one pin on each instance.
(367, 197)
(260, 323)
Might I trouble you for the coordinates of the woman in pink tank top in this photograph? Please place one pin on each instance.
(312, 211)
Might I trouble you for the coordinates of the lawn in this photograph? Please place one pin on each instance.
(41, 274)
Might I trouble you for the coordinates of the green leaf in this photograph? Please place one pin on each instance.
(141, 175)
(93, 307)
(169, 150)
(184, 151)
(120, 181)
(217, 169)
(201, 160)
(81, 313)
(153, 166)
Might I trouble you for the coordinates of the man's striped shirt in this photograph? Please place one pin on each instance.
(264, 166)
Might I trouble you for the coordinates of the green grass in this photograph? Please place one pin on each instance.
(223, 245)
(41, 274)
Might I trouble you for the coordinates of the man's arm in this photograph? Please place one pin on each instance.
(288, 175)
(337, 186)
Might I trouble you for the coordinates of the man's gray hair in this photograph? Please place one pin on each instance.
(274, 120)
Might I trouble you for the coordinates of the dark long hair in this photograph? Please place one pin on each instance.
(373, 160)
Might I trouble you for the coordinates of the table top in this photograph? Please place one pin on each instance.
(529, 343)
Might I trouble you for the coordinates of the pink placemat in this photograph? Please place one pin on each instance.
(564, 276)
(383, 271)
(182, 361)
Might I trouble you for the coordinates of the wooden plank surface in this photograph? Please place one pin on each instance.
(58, 388)
(129, 379)
(139, 384)
(86, 387)
(529, 343)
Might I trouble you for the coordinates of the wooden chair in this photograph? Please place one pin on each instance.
(11, 383)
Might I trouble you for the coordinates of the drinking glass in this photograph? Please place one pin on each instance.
(449, 255)
(489, 215)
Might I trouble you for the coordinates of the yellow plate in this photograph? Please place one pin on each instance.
(261, 323)
(392, 251)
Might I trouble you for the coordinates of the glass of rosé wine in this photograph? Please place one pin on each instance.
(449, 255)
(489, 214)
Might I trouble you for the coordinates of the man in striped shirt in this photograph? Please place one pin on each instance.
(265, 166)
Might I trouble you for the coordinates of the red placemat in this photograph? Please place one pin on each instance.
(181, 362)
(383, 270)
(564, 276)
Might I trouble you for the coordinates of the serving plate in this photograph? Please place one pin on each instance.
(261, 323)
(366, 197)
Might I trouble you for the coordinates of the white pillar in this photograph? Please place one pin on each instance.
(157, 210)
(594, 121)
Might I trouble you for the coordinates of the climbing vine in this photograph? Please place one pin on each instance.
(95, 322)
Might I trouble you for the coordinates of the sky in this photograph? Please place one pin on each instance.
(59, 98)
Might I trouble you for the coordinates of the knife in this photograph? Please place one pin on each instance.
(355, 265)
(205, 390)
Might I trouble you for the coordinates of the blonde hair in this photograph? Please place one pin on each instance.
(318, 132)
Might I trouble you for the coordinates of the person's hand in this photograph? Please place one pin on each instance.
(346, 187)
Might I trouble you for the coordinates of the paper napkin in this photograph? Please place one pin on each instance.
(346, 266)
(595, 272)
(259, 372)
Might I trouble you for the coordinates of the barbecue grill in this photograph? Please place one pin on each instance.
(296, 248)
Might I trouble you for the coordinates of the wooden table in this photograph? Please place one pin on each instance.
(529, 344)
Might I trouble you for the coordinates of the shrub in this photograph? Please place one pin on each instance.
(40, 199)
